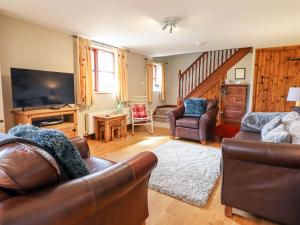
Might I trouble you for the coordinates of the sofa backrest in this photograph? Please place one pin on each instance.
(25, 167)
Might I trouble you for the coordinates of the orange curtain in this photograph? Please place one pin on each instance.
(149, 79)
(83, 70)
(122, 76)
(162, 95)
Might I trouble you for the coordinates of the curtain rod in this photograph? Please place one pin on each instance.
(75, 36)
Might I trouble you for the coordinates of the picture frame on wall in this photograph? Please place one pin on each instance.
(240, 73)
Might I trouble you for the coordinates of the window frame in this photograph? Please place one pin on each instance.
(155, 78)
(97, 70)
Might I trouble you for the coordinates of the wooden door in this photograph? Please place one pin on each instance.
(2, 126)
(276, 70)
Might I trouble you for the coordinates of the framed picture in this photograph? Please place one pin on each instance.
(240, 73)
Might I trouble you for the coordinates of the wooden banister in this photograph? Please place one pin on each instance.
(218, 73)
(202, 68)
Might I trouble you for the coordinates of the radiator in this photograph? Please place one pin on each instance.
(90, 118)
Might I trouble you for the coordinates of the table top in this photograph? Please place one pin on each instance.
(113, 116)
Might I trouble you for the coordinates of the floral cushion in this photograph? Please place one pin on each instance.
(194, 107)
(139, 111)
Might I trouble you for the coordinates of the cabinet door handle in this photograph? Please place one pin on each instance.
(1, 121)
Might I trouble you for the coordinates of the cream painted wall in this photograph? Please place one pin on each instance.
(176, 63)
(245, 62)
(26, 45)
(136, 74)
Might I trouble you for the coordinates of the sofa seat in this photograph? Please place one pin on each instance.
(188, 122)
(248, 136)
(96, 164)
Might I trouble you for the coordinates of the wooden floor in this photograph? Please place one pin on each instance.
(165, 210)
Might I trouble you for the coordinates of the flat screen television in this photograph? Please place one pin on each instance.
(36, 88)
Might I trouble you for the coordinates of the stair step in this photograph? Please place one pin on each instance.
(160, 116)
(161, 111)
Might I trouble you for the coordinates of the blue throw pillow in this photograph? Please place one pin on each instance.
(194, 107)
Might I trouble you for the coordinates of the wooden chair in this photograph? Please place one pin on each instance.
(140, 114)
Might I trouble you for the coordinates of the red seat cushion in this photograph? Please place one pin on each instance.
(139, 111)
(188, 122)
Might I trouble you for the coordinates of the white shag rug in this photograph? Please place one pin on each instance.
(186, 171)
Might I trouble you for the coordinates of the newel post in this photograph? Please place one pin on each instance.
(180, 88)
(179, 77)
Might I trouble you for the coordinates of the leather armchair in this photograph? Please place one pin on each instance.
(112, 194)
(261, 178)
(194, 128)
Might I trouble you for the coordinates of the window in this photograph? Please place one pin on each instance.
(157, 77)
(103, 69)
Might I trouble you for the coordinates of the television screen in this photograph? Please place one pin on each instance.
(41, 88)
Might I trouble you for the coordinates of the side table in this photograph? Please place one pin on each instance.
(109, 124)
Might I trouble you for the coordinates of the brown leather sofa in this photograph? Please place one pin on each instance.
(112, 194)
(261, 178)
(194, 128)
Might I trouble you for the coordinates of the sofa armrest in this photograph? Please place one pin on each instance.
(173, 116)
(81, 144)
(207, 123)
(118, 190)
(282, 155)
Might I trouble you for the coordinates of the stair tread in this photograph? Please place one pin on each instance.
(160, 116)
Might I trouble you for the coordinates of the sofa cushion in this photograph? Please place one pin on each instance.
(254, 121)
(188, 122)
(95, 164)
(248, 136)
(270, 126)
(24, 167)
(139, 111)
(294, 131)
(194, 107)
(277, 135)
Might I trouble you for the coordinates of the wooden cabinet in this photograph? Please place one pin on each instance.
(69, 116)
(233, 103)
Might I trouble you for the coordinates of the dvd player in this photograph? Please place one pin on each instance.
(47, 122)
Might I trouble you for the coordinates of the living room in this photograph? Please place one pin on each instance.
(134, 112)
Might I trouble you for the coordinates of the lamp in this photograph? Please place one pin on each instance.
(294, 95)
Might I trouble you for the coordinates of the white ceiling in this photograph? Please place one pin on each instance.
(135, 24)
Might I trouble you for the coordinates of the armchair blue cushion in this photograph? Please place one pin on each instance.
(194, 107)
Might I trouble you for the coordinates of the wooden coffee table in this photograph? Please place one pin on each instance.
(108, 124)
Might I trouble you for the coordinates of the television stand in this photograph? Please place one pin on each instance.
(68, 123)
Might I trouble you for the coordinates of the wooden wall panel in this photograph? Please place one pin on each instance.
(274, 75)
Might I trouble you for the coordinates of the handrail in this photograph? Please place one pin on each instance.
(201, 68)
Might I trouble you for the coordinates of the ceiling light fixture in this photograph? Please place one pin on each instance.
(171, 23)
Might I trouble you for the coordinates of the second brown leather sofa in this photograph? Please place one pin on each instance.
(261, 178)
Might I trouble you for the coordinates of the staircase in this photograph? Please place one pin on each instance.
(203, 78)
(160, 115)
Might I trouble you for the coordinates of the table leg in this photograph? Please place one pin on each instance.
(96, 129)
(125, 127)
(107, 134)
(112, 134)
